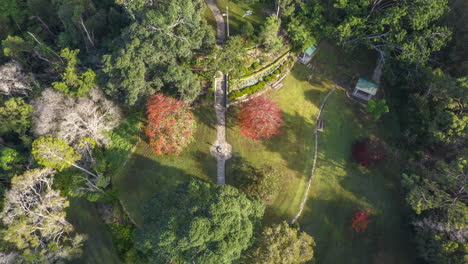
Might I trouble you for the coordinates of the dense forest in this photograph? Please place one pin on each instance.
(76, 77)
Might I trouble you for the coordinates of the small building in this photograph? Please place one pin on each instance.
(365, 89)
(307, 55)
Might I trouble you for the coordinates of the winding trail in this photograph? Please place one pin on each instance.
(306, 195)
(221, 149)
(220, 24)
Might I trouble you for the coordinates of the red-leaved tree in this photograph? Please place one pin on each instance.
(360, 220)
(369, 151)
(260, 118)
(170, 124)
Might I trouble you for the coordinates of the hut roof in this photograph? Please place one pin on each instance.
(367, 86)
(310, 50)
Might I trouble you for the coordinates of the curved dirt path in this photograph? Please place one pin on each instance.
(221, 149)
(220, 24)
(306, 195)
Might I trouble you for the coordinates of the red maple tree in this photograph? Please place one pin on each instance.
(369, 152)
(360, 220)
(260, 118)
(170, 124)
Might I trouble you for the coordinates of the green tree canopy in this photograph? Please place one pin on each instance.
(13, 9)
(377, 107)
(198, 223)
(401, 29)
(15, 116)
(282, 244)
(269, 34)
(73, 82)
(162, 33)
(10, 160)
(181, 82)
(230, 59)
(54, 153)
(34, 216)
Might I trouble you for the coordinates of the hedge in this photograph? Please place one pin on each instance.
(263, 72)
(260, 85)
(249, 90)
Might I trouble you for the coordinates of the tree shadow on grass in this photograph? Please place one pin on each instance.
(99, 247)
(315, 96)
(206, 114)
(300, 72)
(329, 222)
(141, 178)
(294, 143)
(207, 163)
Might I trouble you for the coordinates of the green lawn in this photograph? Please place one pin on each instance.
(289, 152)
(236, 10)
(146, 173)
(98, 248)
(340, 187)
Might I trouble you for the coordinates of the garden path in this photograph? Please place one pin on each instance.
(306, 195)
(221, 149)
(220, 24)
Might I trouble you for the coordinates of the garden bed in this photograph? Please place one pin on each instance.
(266, 81)
(256, 77)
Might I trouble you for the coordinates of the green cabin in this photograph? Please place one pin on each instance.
(308, 54)
(365, 89)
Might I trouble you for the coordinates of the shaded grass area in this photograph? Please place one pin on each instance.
(341, 65)
(289, 152)
(236, 10)
(147, 173)
(340, 187)
(99, 247)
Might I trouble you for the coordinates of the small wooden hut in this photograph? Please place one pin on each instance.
(365, 89)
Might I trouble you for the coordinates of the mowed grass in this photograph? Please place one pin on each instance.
(236, 10)
(289, 152)
(99, 247)
(340, 187)
(147, 173)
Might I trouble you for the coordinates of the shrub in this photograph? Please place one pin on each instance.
(259, 85)
(255, 65)
(368, 152)
(247, 29)
(360, 220)
(249, 90)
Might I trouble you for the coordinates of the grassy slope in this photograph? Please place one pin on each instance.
(146, 173)
(290, 151)
(98, 248)
(340, 187)
(237, 10)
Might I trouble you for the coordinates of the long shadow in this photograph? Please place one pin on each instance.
(340, 187)
(341, 65)
(207, 163)
(330, 225)
(99, 247)
(142, 178)
(295, 142)
(206, 114)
